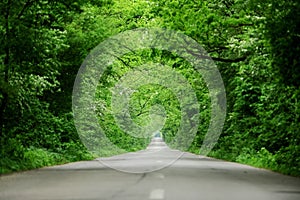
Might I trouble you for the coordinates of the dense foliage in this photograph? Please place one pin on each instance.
(255, 45)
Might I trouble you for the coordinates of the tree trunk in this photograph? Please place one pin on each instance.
(6, 66)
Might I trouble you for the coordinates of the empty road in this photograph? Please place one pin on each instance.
(189, 177)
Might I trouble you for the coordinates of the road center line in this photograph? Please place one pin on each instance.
(157, 194)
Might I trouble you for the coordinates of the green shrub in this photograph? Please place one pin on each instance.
(262, 158)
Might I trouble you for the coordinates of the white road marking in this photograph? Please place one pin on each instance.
(157, 194)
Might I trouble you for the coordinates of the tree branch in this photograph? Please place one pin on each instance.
(228, 60)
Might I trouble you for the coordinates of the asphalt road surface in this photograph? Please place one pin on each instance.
(154, 175)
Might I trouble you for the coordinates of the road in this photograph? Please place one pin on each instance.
(188, 178)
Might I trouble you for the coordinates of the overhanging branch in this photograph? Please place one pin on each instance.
(218, 59)
(228, 60)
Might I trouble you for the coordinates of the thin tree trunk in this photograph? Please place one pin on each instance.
(4, 102)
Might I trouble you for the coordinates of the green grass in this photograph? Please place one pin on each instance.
(261, 159)
(33, 158)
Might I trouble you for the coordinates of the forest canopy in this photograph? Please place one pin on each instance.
(254, 44)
